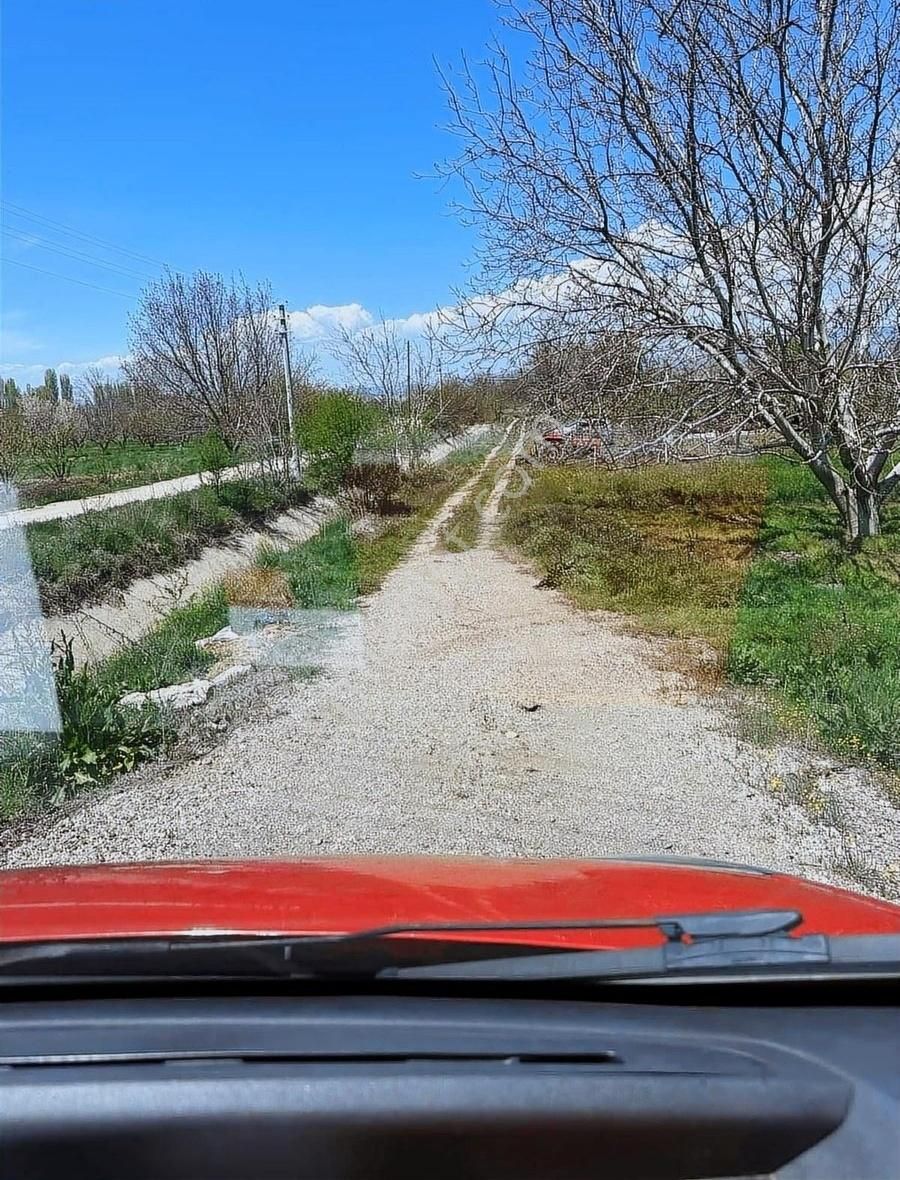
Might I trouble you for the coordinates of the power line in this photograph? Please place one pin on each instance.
(21, 211)
(55, 275)
(79, 255)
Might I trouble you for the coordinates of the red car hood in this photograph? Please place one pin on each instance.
(347, 894)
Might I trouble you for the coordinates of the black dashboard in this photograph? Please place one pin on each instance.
(313, 1086)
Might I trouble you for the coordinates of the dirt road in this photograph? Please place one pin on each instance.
(479, 715)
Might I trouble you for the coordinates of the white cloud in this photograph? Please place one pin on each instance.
(34, 374)
(318, 321)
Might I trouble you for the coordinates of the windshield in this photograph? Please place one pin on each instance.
(463, 433)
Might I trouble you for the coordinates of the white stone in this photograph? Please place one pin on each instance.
(175, 696)
(227, 675)
(226, 635)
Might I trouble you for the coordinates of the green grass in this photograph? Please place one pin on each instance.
(322, 572)
(81, 560)
(748, 557)
(98, 738)
(819, 627)
(167, 654)
(121, 465)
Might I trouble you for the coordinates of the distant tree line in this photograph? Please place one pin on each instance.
(56, 387)
(205, 361)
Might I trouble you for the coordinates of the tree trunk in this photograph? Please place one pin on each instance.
(861, 518)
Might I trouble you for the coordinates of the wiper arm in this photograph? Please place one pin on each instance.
(728, 956)
(712, 924)
(364, 953)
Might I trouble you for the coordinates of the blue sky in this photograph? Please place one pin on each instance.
(283, 140)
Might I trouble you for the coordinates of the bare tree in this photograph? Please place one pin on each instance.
(56, 430)
(208, 346)
(644, 408)
(102, 408)
(717, 172)
(381, 362)
(407, 379)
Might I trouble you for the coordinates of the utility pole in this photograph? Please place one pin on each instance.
(288, 389)
(408, 379)
(408, 404)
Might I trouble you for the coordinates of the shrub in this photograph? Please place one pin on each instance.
(249, 498)
(215, 455)
(329, 430)
(375, 486)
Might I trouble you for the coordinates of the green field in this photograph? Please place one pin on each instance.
(121, 465)
(747, 556)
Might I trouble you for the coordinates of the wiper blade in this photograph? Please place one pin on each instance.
(367, 953)
(671, 957)
(710, 924)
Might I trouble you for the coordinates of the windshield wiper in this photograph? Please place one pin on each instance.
(713, 923)
(714, 941)
(367, 953)
(727, 956)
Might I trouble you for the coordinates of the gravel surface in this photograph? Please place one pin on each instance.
(480, 715)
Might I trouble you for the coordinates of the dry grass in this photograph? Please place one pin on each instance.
(669, 546)
(258, 586)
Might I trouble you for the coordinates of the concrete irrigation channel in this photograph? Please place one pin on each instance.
(98, 630)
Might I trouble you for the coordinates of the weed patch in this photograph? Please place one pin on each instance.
(820, 629)
(321, 572)
(669, 545)
(99, 739)
(748, 557)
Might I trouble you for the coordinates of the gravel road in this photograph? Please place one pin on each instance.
(482, 715)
